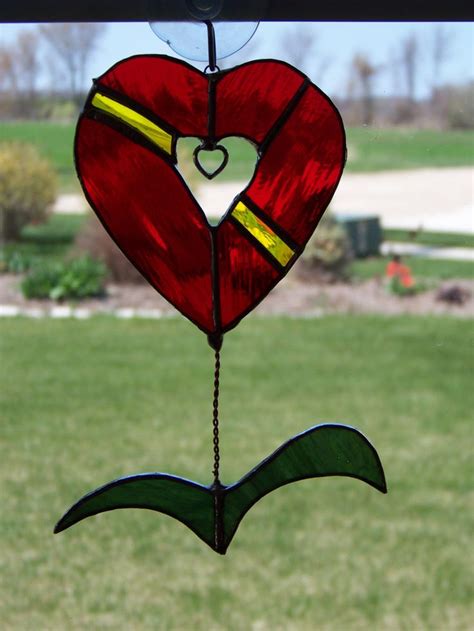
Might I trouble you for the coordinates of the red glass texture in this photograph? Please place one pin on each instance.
(251, 98)
(172, 90)
(151, 215)
(298, 174)
(245, 277)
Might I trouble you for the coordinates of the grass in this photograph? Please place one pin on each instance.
(435, 239)
(436, 269)
(370, 149)
(49, 241)
(86, 401)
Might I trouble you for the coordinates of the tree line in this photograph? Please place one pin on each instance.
(411, 64)
(56, 53)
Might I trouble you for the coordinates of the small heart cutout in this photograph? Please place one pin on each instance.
(236, 176)
(206, 170)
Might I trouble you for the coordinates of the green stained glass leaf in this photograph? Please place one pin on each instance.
(214, 513)
(323, 450)
(187, 501)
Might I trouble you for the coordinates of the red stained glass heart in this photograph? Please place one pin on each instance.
(126, 161)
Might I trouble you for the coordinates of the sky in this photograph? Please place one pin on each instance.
(328, 63)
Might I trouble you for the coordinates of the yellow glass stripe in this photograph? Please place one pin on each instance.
(263, 233)
(131, 118)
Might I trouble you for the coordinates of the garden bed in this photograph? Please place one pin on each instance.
(292, 296)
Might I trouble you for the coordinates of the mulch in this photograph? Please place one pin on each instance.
(293, 296)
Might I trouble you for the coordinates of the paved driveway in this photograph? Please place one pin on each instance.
(432, 199)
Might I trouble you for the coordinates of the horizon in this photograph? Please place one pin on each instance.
(335, 44)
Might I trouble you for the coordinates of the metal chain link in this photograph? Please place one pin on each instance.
(215, 417)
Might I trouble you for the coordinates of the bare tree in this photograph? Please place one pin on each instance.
(363, 73)
(441, 50)
(8, 87)
(19, 70)
(28, 65)
(410, 56)
(297, 43)
(393, 65)
(8, 78)
(72, 45)
(300, 48)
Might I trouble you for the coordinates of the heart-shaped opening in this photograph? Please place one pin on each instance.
(205, 160)
(215, 195)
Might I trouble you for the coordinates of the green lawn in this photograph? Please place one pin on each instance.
(436, 239)
(84, 402)
(435, 269)
(370, 149)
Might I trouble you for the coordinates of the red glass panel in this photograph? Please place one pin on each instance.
(245, 277)
(297, 176)
(251, 98)
(171, 89)
(151, 215)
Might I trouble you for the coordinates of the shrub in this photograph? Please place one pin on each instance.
(15, 261)
(455, 106)
(75, 279)
(41, 280)
(328, 252)
(27, 188)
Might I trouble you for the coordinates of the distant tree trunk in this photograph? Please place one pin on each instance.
(8, 80)
(441, 48)
(72, 45)
(410, 64)
(441, 51)
(11, 226)
(28, 67)
(364, 74)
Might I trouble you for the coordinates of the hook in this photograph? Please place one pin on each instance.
(211, 45)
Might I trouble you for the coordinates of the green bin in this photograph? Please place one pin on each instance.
(364, 232)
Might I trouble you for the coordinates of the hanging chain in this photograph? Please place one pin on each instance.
(215, 417)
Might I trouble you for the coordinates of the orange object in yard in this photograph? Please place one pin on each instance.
(396, 269)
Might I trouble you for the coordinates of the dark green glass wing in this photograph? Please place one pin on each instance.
(214, 513)
(187, 501)
(323, 450)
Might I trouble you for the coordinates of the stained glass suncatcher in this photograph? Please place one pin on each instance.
(126, 160)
